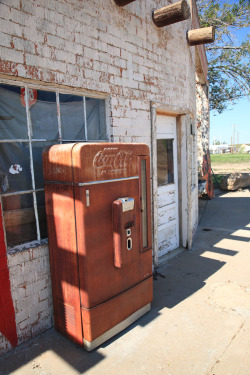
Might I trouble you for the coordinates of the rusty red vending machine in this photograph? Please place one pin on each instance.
(99, 224)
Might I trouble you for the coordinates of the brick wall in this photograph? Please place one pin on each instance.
(103, 50)
(29, 274)
(203, 132)
(8, 335)
(98, 46)
(194, 212)
(202, 122)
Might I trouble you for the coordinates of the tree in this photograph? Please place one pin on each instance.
(229, 64)
(216, 142)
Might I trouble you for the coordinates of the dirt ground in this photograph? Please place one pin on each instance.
(231, 167)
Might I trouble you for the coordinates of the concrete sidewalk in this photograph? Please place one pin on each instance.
(200, 318)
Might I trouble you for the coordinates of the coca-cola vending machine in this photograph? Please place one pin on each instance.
(99, 225)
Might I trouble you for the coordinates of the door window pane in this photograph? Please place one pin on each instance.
(72, 117)
(43, 112)
(165, 165)
(15, 167)
(95, 112)
(13, 124)
(19, 219)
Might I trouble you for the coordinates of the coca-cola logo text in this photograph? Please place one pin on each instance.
(110, 159)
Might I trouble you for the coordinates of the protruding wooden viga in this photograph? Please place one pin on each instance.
(121, 3)
(171, 14)
(201, 36)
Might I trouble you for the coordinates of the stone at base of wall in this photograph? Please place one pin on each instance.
(235, 181)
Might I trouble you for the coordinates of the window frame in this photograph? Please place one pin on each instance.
(57, 90)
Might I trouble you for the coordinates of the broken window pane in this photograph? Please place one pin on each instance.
(42, 214)
(37, 150)
(15, 158)
(95, 112)
(72, 117)
(15, 167)
(43, 113)
(19, 219)
(13, 124)
(165, 165)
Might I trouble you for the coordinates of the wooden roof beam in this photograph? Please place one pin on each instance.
(170, 14)
(121, 3)
(201, 36)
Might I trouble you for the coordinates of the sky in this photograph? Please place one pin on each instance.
(222, 125)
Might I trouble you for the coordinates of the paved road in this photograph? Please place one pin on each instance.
(200, 318)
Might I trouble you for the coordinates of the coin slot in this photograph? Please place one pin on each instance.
(129, 243)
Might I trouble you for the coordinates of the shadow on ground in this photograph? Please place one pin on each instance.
(175, 281)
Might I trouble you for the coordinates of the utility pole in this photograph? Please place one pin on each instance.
(234, 135)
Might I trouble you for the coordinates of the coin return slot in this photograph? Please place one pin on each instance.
(129, 243)
(128, 232)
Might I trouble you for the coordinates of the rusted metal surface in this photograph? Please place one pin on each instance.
(63, 259)
(85, 221)
(98, 320)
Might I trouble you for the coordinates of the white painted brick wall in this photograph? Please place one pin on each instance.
(138, 54)
(31, 292)
(91, 45)
(203, 132)
(194, 209)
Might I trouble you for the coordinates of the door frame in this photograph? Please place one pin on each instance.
(184, 190)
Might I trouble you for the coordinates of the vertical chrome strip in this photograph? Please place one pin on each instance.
(144, 214)
(101, 181)
(59, 117)
(85, 118)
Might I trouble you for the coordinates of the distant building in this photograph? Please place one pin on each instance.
(219, 149)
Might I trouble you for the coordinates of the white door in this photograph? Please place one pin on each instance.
(167, 178)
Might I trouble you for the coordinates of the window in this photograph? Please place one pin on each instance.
(165, 162)
(30, 120)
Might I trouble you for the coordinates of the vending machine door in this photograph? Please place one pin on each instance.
(110, 232)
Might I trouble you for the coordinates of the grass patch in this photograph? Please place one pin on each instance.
(230, 158)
